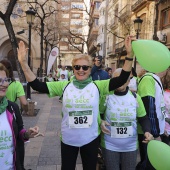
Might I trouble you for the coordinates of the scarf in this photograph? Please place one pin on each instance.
(81, 84)
(3, 104)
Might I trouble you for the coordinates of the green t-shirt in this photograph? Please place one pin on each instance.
(15, 90)
(56, 88)
(147, 87)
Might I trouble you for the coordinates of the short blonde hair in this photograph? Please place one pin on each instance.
(82, 56)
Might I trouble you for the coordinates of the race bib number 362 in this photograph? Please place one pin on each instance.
(121, 129)
(80, 119)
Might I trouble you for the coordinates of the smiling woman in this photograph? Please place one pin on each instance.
(80, 127)
(11, 126)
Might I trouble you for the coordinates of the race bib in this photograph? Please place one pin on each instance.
(121, 129)
(80, 119)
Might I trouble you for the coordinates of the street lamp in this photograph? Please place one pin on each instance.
(30, 20)
(137, 27)
(98, 48)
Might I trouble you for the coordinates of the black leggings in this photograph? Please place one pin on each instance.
(88, 154)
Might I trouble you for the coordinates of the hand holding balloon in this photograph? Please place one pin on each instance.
(148, 137)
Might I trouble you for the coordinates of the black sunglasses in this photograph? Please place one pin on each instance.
(84, 67)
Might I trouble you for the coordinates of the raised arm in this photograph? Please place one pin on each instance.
(22, 51)
(129, 59)
(29, 75)
(122, 79)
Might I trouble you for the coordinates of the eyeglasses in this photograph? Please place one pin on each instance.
(84, 67)
(5, 80)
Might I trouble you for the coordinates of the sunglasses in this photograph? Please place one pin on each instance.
(84, 67)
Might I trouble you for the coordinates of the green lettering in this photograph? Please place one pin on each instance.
(6, 139)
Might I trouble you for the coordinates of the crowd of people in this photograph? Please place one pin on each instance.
(118, 112)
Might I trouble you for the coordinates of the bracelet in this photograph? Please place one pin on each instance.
(127, 58)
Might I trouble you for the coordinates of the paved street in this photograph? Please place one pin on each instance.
(43, 153)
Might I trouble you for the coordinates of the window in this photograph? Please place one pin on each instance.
(102, 29)
(165, 18)
(76, 22)
(64, 39)
(96, 21)
(76, 31)
(65, 15)
(64, 23)
(75, 15)
(63, 47)
(97, 5)
(65, 7)
(77, 6)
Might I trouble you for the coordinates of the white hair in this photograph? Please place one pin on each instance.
(117, 72)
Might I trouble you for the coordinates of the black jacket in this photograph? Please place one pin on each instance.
(16, 123)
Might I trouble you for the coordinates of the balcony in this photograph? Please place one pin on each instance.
(96, 13)
(118, 46)
(110, 50)
(138, 4)
(94, 30)
(97, 1)
(114, 23)
(126, 11)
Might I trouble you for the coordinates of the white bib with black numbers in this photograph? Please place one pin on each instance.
(80, 119)
(80, 123)
(121, 129)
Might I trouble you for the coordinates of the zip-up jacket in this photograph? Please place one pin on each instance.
(16, 124)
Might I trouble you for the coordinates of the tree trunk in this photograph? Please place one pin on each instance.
(41, 43)
(14, 45)
(46, 58)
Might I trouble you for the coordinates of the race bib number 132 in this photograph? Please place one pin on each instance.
(121, 129)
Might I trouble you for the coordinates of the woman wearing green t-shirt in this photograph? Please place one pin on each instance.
(80, 127)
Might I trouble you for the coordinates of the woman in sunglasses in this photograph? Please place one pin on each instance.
(80, 127)
(11, 127)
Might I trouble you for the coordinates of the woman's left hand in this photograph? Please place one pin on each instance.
(34, 132)
(148, 137)
(128, 46)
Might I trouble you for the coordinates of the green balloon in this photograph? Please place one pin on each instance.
(152, 55)
(159, 155)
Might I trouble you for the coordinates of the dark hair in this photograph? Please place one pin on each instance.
(8, 66)
(166, 79)
(134, 72)
(99, 57)
(108, 69)
(3, 68)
